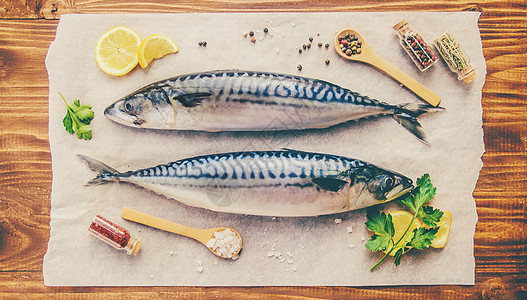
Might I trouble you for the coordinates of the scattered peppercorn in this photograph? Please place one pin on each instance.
(251, 33)
(204, 44)
(308, 46)
(266, 30)
(299, 50)
(320, 44)
(253, 39)
(310, 39)
(299, 67)
(327, 61)
(200, 44)
(304, 46)
(327, 45)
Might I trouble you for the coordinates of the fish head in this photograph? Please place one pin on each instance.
(149, 107)
(373, 185)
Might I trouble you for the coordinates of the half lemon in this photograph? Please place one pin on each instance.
(116, 50)
(153, 47)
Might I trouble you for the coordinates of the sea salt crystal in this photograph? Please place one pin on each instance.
(225, 243)
(350, 245)
(270, 254)
(199, 269)
(349, 229)
(289, 254)
(337, 221)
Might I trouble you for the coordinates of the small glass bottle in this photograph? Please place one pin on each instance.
(455, 57)
(415, 46)
(114, 235)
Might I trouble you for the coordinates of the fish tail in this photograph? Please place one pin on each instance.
(105, 173)
(407, 115)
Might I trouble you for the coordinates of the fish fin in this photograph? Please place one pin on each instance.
(329, 184)
(407, 115)
(192, 100)
(105, 173)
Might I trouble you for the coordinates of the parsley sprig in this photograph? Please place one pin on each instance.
(382, 226)
(78, 118)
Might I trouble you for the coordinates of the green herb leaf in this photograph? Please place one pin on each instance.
(78, 118)
(430, 216)
(425, 192)
(397, 257)
(423, 237)
(378, 243)
(68, 123)
(380, 223)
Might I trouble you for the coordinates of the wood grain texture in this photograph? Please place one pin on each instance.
(500, 243)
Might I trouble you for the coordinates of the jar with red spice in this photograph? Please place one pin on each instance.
(114, 235)
(415, 46)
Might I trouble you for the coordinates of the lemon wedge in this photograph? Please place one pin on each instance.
(153, 47)
(444, 230)
(400, 220)
(116, 50)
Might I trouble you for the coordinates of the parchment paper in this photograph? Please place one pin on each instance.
(313, 251)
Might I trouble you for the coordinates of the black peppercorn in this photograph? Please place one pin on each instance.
(299, 67)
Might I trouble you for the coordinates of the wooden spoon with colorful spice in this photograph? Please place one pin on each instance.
(362, 52)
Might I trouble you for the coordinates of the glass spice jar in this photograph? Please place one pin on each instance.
(114, 235)
(415, 46)
(455, 57)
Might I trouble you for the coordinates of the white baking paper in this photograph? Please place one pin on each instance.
(315, 251)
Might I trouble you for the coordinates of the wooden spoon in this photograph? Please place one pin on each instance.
(370, 57)
(201, 235)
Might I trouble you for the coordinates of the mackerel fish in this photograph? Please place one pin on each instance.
(268, 183)
(252, 101)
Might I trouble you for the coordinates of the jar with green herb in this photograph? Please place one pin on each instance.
(455, 57)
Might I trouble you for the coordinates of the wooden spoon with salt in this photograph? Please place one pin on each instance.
(200, 235)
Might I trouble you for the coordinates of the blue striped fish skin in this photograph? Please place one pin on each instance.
(250, 101)
(273, 183)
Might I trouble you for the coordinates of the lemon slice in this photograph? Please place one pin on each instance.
(400, 220)
(116, 50)
(444, 230)
(153, 47)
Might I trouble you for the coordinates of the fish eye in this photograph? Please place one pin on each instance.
(128, 107)
(388, 182)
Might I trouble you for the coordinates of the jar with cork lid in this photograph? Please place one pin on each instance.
(415, 46)
(114, 235)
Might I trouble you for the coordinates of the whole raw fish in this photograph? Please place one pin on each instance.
(270, 183)
(252, 101)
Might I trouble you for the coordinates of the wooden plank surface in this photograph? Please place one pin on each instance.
(28, 27)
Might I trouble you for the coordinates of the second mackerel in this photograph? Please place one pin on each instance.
(252, 101)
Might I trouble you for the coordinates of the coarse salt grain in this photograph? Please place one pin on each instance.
(225, 243)
(349, 229)
(337, 221)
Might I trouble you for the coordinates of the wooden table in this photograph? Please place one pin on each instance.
(26, 31)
